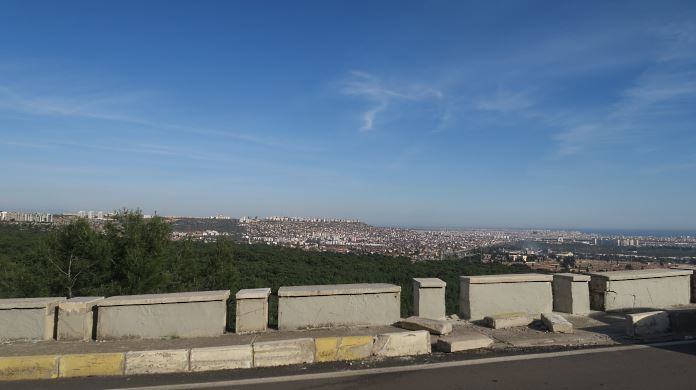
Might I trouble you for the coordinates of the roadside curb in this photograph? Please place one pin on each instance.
(257, 354)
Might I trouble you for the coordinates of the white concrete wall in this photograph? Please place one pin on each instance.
(335, 307)
(25, 324)
(643, 293)
(571, 293)
(76, 318)
(691, 268)
(429, 298)
(179, 315)
(28, 318)
(251, 310)
(500, 294)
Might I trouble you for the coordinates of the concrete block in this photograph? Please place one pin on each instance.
(556, 323)
(28, 367)
(252, 310)
(463, 342)
(647, 324)
(647, 289)
(28, 318)
(330, 349)
(482, 296)
(429, 298)
(433, 326)
(692, 268)
(76, 318)
(283, 353)
(307, 307)
(91, 364)
(508, 320)
(157, 362)
(402, 344)
(180, 315)
(222, 358)
(571, 293)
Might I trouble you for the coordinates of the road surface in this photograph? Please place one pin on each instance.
(658, 366)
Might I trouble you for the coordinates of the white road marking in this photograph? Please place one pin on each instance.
(387, 370)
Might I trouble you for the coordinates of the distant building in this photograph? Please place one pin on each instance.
(15, 216)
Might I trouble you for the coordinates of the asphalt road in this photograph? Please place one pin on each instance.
(661, 366)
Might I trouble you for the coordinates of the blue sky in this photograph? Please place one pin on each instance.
(486, 114)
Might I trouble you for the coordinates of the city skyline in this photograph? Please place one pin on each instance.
(38, 215)
(535, 115)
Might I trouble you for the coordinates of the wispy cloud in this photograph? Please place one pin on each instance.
(91, 106)
(383, 95)
(578, 138)
(505, 101)
(118, 107)
(680, 39)
(666, 89)
(654, 97)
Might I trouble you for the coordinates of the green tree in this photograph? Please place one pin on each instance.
(221, 271)
(186, 266)
(75, 258)
(8, 277)
(140, 248)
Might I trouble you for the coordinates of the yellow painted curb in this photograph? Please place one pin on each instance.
(329, 349)
(325, 349)
(91, 364)
(28, 367)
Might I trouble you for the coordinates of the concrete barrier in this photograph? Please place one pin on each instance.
(463, 342)
(306, 307)
(28, 318)
(182, 315)
(482, 296)
(651, 323)
(76, 318)
(692, 268)
(331, 349)
(251, 310)
(555, 323)
(91, 364)
(438, 327)
(648, 289)
(157, 362)
(508, 320)
(283, 352)
(571, 293)
(222, 358)
(402, 344)
(429, 298)
(17, 368)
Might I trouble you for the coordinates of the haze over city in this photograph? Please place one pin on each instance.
(393, 113)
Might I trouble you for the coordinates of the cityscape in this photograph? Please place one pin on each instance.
(538, 248)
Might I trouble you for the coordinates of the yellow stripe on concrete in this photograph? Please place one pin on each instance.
(91, 364)
(329, 349)
(355, 347)
(326, 349)
(28, 367)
